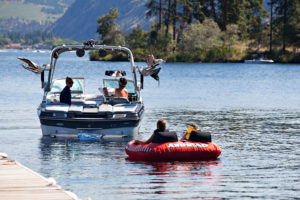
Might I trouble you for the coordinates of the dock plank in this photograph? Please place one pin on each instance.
(18, 182)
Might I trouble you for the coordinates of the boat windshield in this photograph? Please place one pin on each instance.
(114, 83)
(59, 84)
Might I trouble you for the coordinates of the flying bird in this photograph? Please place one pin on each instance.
(31, 66)
(151, 61)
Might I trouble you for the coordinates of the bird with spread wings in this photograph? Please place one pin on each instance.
(31, 66)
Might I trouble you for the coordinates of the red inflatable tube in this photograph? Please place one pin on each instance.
(173, 151)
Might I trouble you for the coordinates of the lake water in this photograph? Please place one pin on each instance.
(252, 111)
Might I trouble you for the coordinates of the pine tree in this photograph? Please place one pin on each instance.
(205, 8)
(167, 18)
(271, 3)
(155, 8)
(107, 28)
(185, 16)
(174, 17)
(287, 19)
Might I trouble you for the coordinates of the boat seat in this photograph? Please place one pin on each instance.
(77, 101)
(93, 97)
(62, 107)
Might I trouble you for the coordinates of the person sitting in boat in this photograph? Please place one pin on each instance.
(121, 92)
(194, 134)
(160, 135)
(65, 95)
(119, 73)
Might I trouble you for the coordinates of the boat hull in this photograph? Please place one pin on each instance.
(259, 61)
(72, 127)
(62, 122)
(54, 131)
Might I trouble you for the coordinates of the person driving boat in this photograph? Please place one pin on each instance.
(121, 92)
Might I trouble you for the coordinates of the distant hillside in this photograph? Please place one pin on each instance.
(80, 20)
(29, 15)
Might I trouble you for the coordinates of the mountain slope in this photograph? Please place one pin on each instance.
(80, 20)
(30, 15)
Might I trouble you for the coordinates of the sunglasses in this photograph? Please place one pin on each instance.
(71, 82)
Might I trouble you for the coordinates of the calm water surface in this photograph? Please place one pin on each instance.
(253, 112)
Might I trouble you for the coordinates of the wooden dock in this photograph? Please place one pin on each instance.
(17, 182)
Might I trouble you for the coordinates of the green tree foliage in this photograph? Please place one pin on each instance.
(287, 20)
(15, 37)
(37, 37)
(155, 8)
(207, 30)
(108, 30)
(137, 38)
(231, 36)
(29, 38)
(201, 36)
(137, 41)
(159, 43)
(247, 14)
(206, 42)
(110, 34)
(34, 39)
(3, 41)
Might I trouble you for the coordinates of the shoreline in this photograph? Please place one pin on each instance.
(136, 60)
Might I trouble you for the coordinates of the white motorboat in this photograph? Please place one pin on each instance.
(259, 61)
(96, 115)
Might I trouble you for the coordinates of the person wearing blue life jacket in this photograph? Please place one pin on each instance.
(65, 95)
(160, 135)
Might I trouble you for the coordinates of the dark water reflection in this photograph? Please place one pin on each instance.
(174, 179)
(252, 111)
